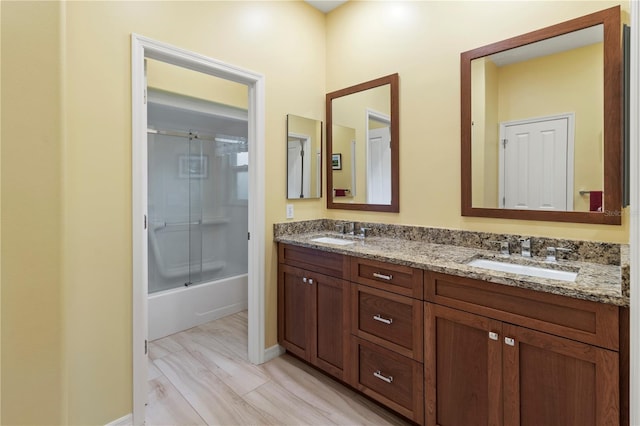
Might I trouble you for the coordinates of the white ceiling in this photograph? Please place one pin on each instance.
(325, 5)
(550, 46)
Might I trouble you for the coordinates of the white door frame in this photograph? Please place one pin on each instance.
(141, 48)
(570, 117)
(634, 237)
(306, 143)
(382, 118)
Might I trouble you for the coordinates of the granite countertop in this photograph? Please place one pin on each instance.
(596, 282)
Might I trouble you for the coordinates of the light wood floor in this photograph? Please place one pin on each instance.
(201, 376)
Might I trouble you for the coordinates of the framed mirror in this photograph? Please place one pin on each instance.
(304, 157)
(363, 146)
(541, 124)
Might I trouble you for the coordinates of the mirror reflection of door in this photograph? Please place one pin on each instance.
(298, 166)
(378, 158)
(536, 170)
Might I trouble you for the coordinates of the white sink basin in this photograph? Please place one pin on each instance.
(330, 240)
(532, 271)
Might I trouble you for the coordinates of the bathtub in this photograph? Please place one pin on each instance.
(179, 309)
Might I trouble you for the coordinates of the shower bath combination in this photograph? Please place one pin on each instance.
(198, 218)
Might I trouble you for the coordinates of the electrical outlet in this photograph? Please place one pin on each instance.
(289, 211)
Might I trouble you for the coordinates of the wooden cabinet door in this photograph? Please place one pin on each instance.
(295, 313)
(549, 380)
(463, 368)
(331, 323)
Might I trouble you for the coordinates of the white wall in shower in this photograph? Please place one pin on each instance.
(198, 219)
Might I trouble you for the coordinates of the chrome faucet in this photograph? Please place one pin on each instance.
(364, 232)
(504, 247)
(349, 228)
(551, 253)
(525, 247)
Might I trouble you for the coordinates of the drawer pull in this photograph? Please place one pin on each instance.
(383, 277)
(509, 341)
(384, 320)
(493, 335)
(379, 375)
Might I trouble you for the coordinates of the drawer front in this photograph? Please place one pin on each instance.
(324, 262)
(589, 322)
(386, 276)
(389, 320)
(390, 378)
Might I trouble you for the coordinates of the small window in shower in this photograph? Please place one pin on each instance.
(240, 164)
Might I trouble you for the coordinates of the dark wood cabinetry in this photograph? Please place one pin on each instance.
(313, 317)
(387, 335)
(448, 351)
(507, 374)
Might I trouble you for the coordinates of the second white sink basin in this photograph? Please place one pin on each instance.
(330, 240)
(532, 271)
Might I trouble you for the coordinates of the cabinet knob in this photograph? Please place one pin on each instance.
(493, 335)
(310, 281)
(378, 374)
(304, 279)
(509, 341)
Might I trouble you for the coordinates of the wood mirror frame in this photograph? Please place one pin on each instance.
(612, 55)
(394, 206)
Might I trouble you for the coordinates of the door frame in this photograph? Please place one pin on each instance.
(570, 117)
(141, 48)
(382, 118)
(306, 141)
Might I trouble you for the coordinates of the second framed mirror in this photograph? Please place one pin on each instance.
(363, 146)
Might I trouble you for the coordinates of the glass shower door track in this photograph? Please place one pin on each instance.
(182, 134)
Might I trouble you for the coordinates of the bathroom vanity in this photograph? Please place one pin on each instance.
(409, 323)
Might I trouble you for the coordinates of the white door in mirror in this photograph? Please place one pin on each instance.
(537, 170)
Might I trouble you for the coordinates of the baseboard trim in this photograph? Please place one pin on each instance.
(273, 352)
(122, 421)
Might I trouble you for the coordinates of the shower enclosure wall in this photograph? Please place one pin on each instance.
(197, 192)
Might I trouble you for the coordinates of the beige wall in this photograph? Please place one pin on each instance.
(66, 229)
(573, 83)
(92, 58)
(186, 82)
(422, 41)
(32, 318)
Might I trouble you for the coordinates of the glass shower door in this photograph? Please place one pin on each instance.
(176, 170)
(198, 172)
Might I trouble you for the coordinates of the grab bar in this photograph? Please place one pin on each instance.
(197, 222)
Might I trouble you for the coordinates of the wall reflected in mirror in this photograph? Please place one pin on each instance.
(304, 157)
(537, 125)
(361, 136)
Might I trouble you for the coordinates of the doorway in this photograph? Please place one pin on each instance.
(145, 48)
(298, 160)
(536, 163)
(378, 158)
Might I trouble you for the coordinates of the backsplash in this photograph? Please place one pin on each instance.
(586, 251)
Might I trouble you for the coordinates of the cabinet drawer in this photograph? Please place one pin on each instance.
(386, 276)
(389, 378)
(582, 320)
(333, 264)
(387, 319)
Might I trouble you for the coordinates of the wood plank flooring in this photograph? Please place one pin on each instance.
(202, 376)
